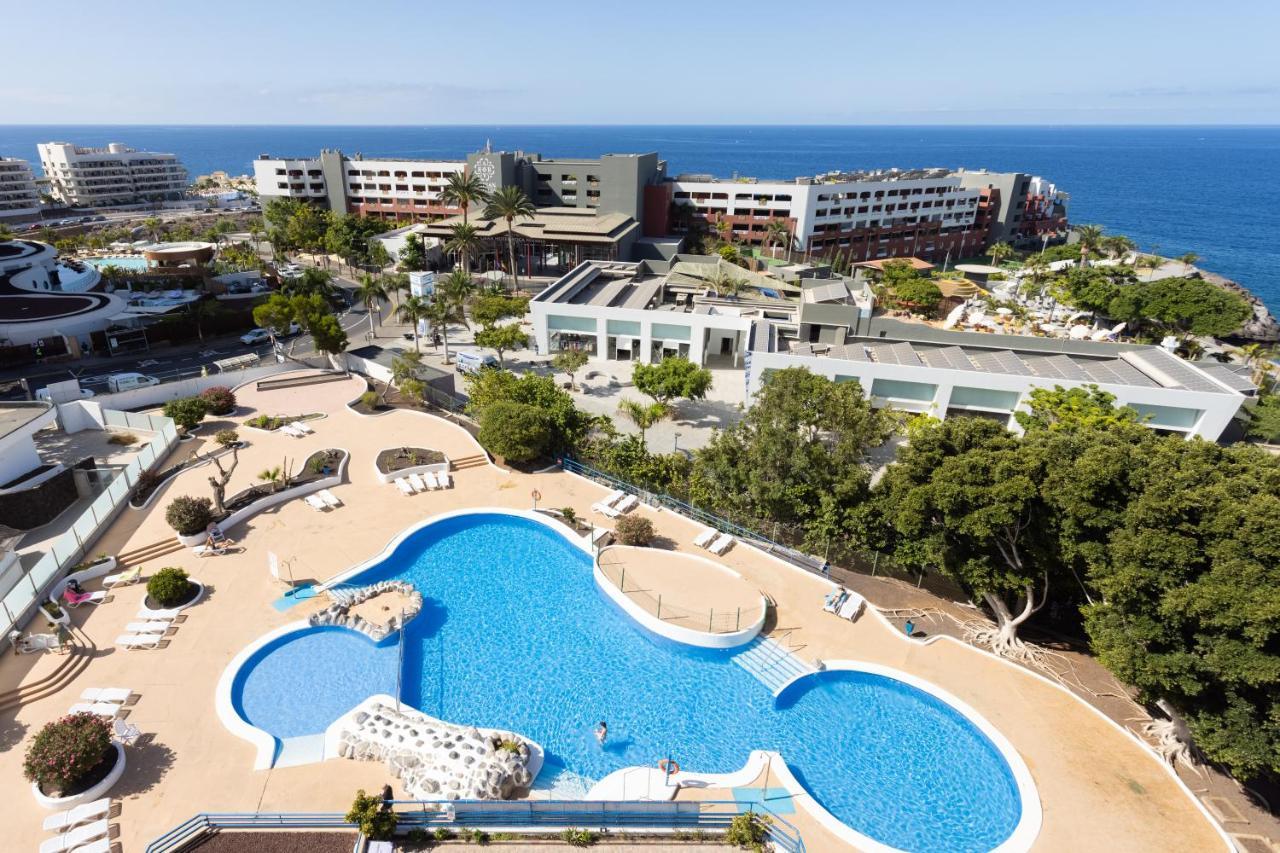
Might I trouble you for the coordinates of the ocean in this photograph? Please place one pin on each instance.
(1172, 189)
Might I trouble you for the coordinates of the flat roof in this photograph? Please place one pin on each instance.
(15, 416)
(568, 224)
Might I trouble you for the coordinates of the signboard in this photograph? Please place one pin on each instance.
(422, 283)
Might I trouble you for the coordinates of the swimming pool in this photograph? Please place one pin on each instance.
(131, 264)
(514, 634)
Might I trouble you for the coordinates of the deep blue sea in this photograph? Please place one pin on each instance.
(1172, 189)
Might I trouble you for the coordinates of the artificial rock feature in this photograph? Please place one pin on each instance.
(339, 613)
(437, 760)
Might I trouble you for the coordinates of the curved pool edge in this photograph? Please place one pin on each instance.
(224, 701)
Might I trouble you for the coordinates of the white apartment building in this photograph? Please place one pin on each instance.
(19, 198)
(380, 188)
(868, 215)
(116, 174)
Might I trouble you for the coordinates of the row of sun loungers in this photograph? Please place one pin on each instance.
(323, 500)
(427, 481)
(150, 632)
(615, 504)
(844, 603)
(297, 429)
(86, 838)
(714, 541)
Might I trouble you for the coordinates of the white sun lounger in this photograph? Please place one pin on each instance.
(301, 426)
(626, 503)
(102, 709)
(76, 837)
(64, 820)
(329, 498)
(123, 578)
(315, 503)
(418, 484)
(125, 731)
(288, 429)
(605, 509)
(851, 609)
(147, 613)
(139, 641)
(704, 538)
(445, 481)
(834, 599)
(721, 545)
(106, 694)
(613, 497)
(101, 845)
(151, 626)
(403, 485)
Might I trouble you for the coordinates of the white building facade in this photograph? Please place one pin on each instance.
(379, 188)
(19, 198)
(114, 175)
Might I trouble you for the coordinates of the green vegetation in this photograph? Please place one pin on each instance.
(672, 378)
(311, 311)
(170, 587)
(502, 339)
(413, 256)
(378, 823)
(186, 412)
(578, 837)
(519, 432)
(492, 308)
(220, 400)
(567, 427)
(634, 530)
(226, 437)
(643, 415)
(189, 516)
(509, 203)
(1264, 420)
(906, 289)
(749, 831)
(65, 751)
(570, 362)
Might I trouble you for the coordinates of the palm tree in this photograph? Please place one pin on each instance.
(411, 310)
(463, 190)
(1118, 246)
(440, 312)
(202, 310)
(255, 233)
(372, 292)
(152, 224)
(778, 233)
(464, 239)
(456, 288)
(723, 230)
(510, 203)
(379, 257)
(998, 252)
(1150, 262)
(1258, 357)
(1090, 239)
(1187, 261)
(643, 415)
(725, 283)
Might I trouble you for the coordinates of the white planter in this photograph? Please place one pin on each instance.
(64, 619)
(192, 603)
(193, 540)
(88, 796)
(433, 467)
(95, 570)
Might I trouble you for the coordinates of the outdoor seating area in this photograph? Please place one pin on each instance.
(426, 481)
(615, 504)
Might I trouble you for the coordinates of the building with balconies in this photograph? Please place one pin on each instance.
(19, 198)
(114, 175)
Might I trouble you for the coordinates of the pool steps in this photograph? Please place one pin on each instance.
(772, 664)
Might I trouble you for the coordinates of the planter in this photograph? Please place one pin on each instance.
(88, 795)
(96, 569)
(148, 604)
(64, 617)
(194, 539)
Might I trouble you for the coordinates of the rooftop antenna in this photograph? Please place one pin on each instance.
(488, 147)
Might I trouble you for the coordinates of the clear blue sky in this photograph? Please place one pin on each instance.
(642, 62)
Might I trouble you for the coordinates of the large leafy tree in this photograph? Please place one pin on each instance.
(516, 431)
(413, 256)
(1191, 306)
(568, 425)
(1086, 407)
(509, 203)
(671, 379)
(490, 309)
(502, 339)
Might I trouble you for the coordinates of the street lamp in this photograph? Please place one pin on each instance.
(675, 445)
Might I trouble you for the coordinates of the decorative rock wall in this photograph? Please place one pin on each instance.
(344, 599)
(434, 759)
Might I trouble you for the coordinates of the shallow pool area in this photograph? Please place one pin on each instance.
(131, 264)
(514, 634)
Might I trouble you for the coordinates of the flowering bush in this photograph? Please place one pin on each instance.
(219, 399)
(65, 750)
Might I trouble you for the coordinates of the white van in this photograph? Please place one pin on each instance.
(128, 381)
(471, 362)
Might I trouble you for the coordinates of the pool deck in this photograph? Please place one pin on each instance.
(1099, 787)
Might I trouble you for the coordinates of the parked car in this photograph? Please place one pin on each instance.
(472, 362)
(128, 381)
(43, 394)
(262, 336)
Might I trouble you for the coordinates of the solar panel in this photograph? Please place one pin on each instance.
(849, 352)
(897, 353)
(999, 361)
(950, 358)
(1054, 367)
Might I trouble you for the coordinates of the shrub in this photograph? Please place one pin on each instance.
(187, 412)
(377, 823)
(569, 515)
(188, 515)
(748, 831)
(634, 530)
(125, 438)
(226, 437)
(267, 422)
(442, 833)
(518, 432)
(219, 400)
(169, 587)
(369, 399)
(416, 837)
(478, 837)
(147, 481)
(65, 750)
(509, 745)
(577, 837)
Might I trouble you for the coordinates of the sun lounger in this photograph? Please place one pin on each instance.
(101, 845)
(125, 732)
(301, 426)
(626, 503)
(851, 609)
(315, 503)
(403, 485)
(74, 600)
(102, 709)
(291, 430)
(146, 613)
(445, 481)
(154, 626)
(64, 820)
(721, 545)
(704, 538)
(605, 510)
(32, 643)
(106, 694)
(613, 497)
(76, 837)
(329, 498)
(122, 578)
(210, 550)
(420, 485)
(834, 599)
(139, 641)
(433, 479)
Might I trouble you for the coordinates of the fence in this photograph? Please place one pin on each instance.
(845, 559)
(725, 620)
(520, 815)
(73, 545)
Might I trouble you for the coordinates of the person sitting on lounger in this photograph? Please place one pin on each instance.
(216, 538)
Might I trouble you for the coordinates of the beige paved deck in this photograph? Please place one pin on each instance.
(1099, 788)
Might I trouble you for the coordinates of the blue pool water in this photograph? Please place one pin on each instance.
(515, 635)
(135, 264)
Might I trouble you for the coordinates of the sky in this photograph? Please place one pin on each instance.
(648, 62)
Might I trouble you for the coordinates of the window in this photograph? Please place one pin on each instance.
(984, 398)
(897, 389)
(561, 323)
(1169, 417)
(623, 327)
(669, 332)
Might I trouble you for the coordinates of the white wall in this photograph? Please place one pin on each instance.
(79, 415)
(157, 395)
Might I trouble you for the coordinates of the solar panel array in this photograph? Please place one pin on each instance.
(1055, 367)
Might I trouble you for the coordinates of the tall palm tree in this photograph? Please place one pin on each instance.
(440, 312)
(643, 415)
(1090, 241)
(1152, 263)
(778, 234)
(1257, 357)
(456, 288)
(1119, 245)
(255, 233)
(464, 239)
(509, 204)
(372, 292)
(998, 252)
(1187, 261)
(463, 190)
(411, 310)
(722, 229)
(152, 224)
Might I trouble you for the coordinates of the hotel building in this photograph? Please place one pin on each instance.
(19, 198)
(114, 175)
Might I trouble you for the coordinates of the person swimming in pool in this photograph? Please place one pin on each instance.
(602, 731)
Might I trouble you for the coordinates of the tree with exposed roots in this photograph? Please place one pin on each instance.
(219, 483)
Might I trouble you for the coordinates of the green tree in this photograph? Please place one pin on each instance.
(1264, 419)
(998, 252)
(379, 257)
(778, 233)
(643, 415)
(413, 257)
(1190, 306)
(440, 313)
(456, 288)
(1188, 261)
(464, 240)
(312, 281)
(503, 339)
(569, 426)
(515, 431)
(1073, 408)
(570, 361)
(327, 334)
(371, 293)
(1090, 241)
(186, 412)
(509, 203)
(672, 378)
(410, 311)
(463, 189)
(917, 294)
(489, 310)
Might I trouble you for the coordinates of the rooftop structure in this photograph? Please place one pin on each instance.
(19, 198)
(113, 175)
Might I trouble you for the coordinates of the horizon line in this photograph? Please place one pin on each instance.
(1248, 125)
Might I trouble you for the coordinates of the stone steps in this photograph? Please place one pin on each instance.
(74, 663)
(466, 462)
(154, 551)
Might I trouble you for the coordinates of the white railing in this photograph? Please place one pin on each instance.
(73, 545)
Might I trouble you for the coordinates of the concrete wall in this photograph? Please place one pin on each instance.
(157, 395)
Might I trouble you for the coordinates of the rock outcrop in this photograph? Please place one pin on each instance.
(436, 760)
(339, 613)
